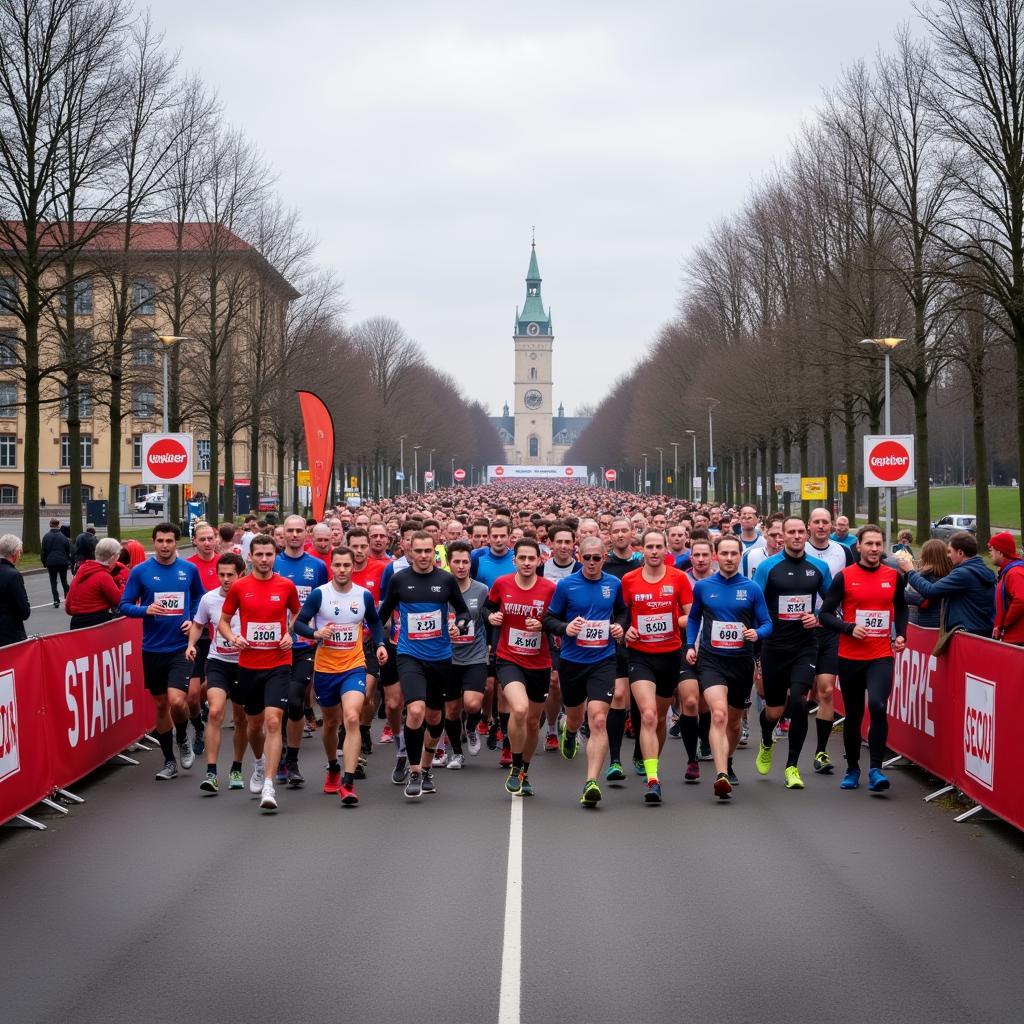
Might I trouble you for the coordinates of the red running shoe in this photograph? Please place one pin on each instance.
(482, 728)
(348, 796)
(551, 741)
(692, 773)
(505, 761)
(332, 781)
(386, 735)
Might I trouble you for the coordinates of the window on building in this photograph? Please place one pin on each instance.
(533, 373)
(144, 298)
(534, 446)
(143, 403)
(203, 455)
(8, 400)
(83, 298)
(139, 492)
(8, 295)
(65, 452)
(84, 402)
(8, 349)
(8, 451)
(136, 451)
(8, 495)
(65, 494)
(143, 348)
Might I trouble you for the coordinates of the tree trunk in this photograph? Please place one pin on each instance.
(850, 460)
(255, 484)
(116, 437)
(874, 505)
(762, 450)
(773, 466)
(280, 474)
(229, 471)
(1018, 344)
(982, 511)
(830, 460)
(74, 449)
(805, 470)
(174, 505)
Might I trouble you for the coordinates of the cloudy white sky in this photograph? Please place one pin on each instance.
(422, 140)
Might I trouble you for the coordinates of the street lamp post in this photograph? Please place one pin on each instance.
(661, 469)
(675, 469)
(168, 341)
(415, 467)
(886, 345)
(643, 483)
(693, 475)
(401, 460)
(453, 471)
(712, 402)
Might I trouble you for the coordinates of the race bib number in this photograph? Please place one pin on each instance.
(463, 638)
(264, 635)
(792, 608)
(171, 600)
(726, 636)
(304, 592)
(654, 627)
(876, 623)
(523, 640)
(221, 646)
(344, 636)
(423, 625)
(593, 634)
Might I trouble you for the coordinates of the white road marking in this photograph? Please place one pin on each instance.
(512, 946)
(49, 604)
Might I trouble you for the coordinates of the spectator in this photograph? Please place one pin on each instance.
(934, 564)
(904, 539)
(56, 556)
(132, 554)
(968, 592)
(14, 606)
(1009, 624)
(96, 589)
(85, 548)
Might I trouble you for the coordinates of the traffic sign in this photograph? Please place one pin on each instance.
(712, 469)
(841, 483)
(788, 482)
(302, 478)
(460, 475)
(813, 488)
(167, 458)
(610, 475)
(889, 460)
(399, 475)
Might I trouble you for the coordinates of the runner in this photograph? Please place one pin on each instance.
(322, 547)
(750, 536)
(562, 563)
(658, 597)
(773, 538)
(865, 603)
(205, 561)
(263, 601)
(367, 573)
(164, 591)
(378, 534)
(515, 607)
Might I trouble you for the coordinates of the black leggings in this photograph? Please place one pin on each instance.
(56, 571)
(873, 678)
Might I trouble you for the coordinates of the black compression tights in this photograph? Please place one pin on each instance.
(797, 713)
(873, 680)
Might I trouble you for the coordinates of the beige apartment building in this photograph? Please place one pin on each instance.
(162, 257)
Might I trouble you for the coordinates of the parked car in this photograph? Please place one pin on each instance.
(948, 525)
(152, 503)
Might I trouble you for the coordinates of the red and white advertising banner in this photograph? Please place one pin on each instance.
(96, 703)
(167, 459)
(889, 460)
(25, 763)
(537, 473)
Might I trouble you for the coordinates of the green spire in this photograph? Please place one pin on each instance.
(533, 308)
(533, 274)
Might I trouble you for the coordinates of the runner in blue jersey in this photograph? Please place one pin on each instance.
(165, 591)
(588, 612)
(730, 613)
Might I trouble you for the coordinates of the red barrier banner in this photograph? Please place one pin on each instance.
(986, 680)
(24, 751)
(96, 704)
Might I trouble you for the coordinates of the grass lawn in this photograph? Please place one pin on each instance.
(1004, 502)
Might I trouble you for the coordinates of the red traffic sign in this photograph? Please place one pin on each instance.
(889, 461)
(460, 474)
(610, 475)
(167, 458)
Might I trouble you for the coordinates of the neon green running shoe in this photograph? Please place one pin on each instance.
(567, 744)
(591, 794)
(763, 761)
(614, 772)
(793, 780)
(235, 781)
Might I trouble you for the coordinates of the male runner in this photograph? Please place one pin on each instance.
(367, 573)
(205, 561)
(562, 563)
(842, 535)
(750, 536)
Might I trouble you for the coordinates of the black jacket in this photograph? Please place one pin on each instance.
(14, 608)
(56, 553)
(85, 547)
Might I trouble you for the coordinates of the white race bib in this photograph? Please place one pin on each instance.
(793, 607)
(264, 635)
(876, 623)
(523, 640)
(304, 592)
(172, 600)
(726, 636)
(463, 638)
(593, 634)
(221, 646)
(654, 627)
(423, 625)
(343, 636)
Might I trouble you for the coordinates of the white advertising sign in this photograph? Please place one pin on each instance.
(889, 460)
(979, 728)
(537, 473)
(167, 459)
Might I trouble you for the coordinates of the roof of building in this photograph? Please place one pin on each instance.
(533, 308)
(572, 426)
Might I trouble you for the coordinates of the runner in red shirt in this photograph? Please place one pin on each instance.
(367, 573)
(205, 561)
(658, 597)
(516, 605)
(264, 601)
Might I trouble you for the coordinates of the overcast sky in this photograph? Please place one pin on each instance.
(421, 141)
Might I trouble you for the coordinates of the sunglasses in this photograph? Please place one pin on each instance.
(591, 558)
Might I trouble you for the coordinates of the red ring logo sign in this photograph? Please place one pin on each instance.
(609, 475)
(167, 458)
(568, 470)
(460, 474)
(499, 470)
(889, 461)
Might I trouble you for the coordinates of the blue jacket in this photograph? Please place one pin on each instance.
(969, 592)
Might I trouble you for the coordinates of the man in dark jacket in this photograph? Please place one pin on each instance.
(56, 556)
(969, 591)
(14, 606)
(85, 547)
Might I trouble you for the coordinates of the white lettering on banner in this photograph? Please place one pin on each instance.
(911, 699)
(10, 757)
(979, 728)
(96, 692)
(568, 473)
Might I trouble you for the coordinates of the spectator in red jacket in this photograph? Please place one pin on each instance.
(1009, 625)
(96, 588)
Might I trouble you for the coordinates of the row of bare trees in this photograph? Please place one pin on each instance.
(899, 212)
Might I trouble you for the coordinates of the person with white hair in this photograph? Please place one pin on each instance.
(14, 606)
(96, 588)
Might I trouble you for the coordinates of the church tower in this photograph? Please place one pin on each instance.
(533, 337)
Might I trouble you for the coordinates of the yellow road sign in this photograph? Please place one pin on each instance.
(841, 483)
(813, 487)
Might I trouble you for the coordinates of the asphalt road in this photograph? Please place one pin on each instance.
(152, 902)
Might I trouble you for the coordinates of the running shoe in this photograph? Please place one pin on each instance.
(492, 736)
(235, 781)
(294, 777)
(514, 782)
(851, 780)
(551, 741)
(348, 796)
(210, 784)
(525, 788)
(199, 743)
(877, 782)
(440, 758)
(186, 754)
(733, 778)
(360, 772)
(456, 762)
(763, 761)
(414, 787)
(473, 743)
(744, 734)
(505, 761)
(282, 771)
(653, 793)
(704, 752)
(401, 772)
(638, 767)
(673, 730)
(308, 729)
(723, 787)
(428, 782)
(482, 728)
(259, 775)
(332, 781)
(692, 773)
(793, 780)
(268, 797)
(591, 794)
(365, 743)
(169, 771)
(627, 730)
(823, 763)
(614, 773)
(386, 735)
(566, 744)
